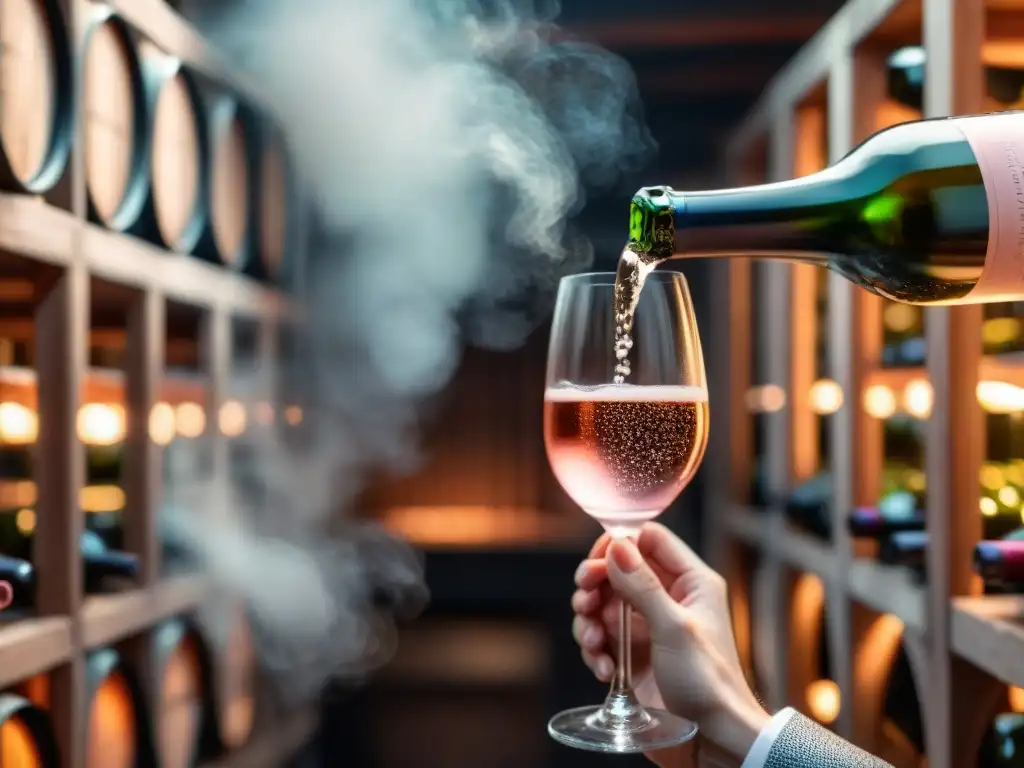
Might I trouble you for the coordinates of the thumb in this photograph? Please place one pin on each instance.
(635, 582)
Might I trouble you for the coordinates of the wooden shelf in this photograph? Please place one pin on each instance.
(105, 619)
(989, 633)
(803, 551)
(130, 261)
(37, 231)
(886, 589)
(882, 588)
(31, 646)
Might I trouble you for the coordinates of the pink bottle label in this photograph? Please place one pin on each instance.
(998, 144)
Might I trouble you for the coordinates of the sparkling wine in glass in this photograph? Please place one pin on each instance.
(623, 446)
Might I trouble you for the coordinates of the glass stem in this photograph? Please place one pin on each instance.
(622, 710)
(622, 685)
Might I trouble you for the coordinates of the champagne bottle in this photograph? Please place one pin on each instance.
(923, 213)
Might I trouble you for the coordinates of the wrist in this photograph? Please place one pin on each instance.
(735, 727)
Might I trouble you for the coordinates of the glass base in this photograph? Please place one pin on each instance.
(589, 728)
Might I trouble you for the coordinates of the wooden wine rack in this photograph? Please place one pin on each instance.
(51, 242)
(964, 649)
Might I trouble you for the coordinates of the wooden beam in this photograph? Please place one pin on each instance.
(693, 32)
(854, 21)
(954, 31)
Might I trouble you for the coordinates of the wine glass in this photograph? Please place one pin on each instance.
(623, 452)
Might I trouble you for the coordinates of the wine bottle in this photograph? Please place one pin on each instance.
(921, 213)
(21, 576)
(1003, 744)
(809, 506)
(99, 562)
(102, 563)
(906, 71)
(901, 513)
(905, 548)
(1001, 561)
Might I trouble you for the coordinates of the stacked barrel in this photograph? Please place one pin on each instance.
(171, 156)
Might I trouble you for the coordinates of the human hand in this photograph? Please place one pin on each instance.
(684, 652)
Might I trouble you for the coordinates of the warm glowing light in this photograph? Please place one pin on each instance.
(101, 424)
(1000, 330)
(1000, 397)
(18, 425)
(879, 401)
(17, 493)
(293, 415)
(916, 481)
(99, 499)
(1009, 496)
(231, 418)
(900, 317)
(1014, 473)
(826, 397)
(474, 526)
(823, 701)
(161, 423)
(190, 419)
(991, 477)
(767, 398)
(1016, 698)
(25, 521)
(917, 398)
(988, 506)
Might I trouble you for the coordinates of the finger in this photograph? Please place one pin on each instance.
(638, 585)
(659, 545)
(600, 664)
(610, 621)
(589, 635)
(6, 594)
(600, 547)
(586, 601)
(591, 573)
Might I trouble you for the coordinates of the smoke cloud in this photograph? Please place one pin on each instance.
(446, 147)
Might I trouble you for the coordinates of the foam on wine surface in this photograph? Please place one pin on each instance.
(624, 452)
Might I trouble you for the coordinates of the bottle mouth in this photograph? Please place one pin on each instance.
(652, 227)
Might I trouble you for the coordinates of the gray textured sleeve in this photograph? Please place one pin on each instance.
(802, 743)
